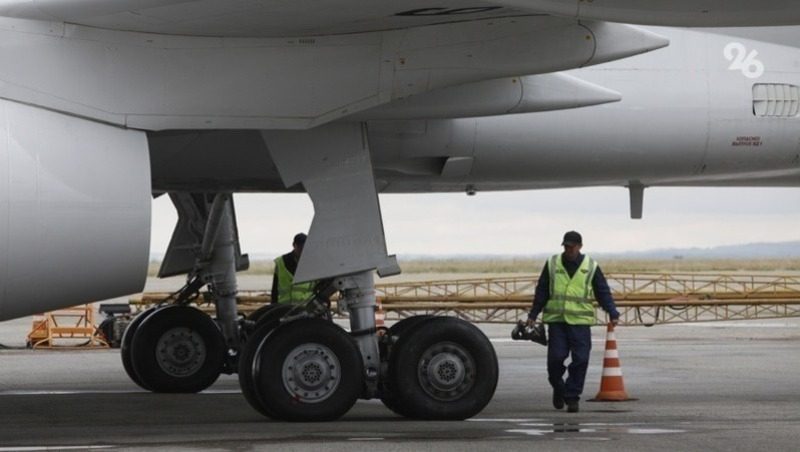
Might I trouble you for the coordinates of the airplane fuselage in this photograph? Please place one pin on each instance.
(687, 117)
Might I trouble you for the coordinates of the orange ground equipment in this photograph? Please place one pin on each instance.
(73, 327)
(612, 388)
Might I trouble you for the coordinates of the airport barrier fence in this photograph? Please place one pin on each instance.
(641, 298)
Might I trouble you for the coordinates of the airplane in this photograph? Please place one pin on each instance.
(104, 104)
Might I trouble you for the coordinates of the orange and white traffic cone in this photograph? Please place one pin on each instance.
(612, 388)
(380, 316)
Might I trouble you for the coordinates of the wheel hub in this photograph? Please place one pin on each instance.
(180, 352)
(446, 371)
(311, 373)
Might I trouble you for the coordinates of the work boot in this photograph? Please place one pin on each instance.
(558, 400)
(572, 406)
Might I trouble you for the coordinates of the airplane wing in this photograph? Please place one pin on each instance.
(695, 13)
(300, 64)
(272, 18)
(249, 18)
(162, 81)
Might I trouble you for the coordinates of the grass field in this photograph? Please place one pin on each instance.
(534, 265)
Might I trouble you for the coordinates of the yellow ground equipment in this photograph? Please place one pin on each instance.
(71, 327)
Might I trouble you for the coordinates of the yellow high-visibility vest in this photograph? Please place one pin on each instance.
(288, 291)
(570, 298)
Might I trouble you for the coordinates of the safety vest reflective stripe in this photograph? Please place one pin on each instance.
(570, 297)
(553, 267)
(587, 290)
(568, 312)
(288, 292)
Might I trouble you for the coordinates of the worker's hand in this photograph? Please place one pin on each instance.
(530, 322)
(615, 322)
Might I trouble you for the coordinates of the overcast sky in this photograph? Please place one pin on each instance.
(530, 222)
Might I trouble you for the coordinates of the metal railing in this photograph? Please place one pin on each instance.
(641, 298)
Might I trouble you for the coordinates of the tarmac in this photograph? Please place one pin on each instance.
(715, 386)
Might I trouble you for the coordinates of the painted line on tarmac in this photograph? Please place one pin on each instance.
(578, 431)
(740, 324)
(33, 392)
(37, 448)
(486, 419)
(507, 340)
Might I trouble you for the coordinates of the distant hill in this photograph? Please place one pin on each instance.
(779, 250)
(774, 250)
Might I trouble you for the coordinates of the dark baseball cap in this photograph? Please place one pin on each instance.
(299, 239)
(572, 238)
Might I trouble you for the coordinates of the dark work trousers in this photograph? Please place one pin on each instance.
(565, 340)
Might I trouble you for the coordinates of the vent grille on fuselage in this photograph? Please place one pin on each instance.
(776, 100)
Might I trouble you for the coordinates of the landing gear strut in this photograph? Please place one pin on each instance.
(177, 348)
(301, 368)
(310, 369)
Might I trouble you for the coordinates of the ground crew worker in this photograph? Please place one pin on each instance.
(283, 288)
(569, 282)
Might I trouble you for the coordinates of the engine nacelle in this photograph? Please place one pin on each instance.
(74, 210)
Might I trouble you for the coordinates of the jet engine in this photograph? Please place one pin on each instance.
(74, 210)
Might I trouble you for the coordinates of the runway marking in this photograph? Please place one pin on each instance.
(540, 427)
(736, 325)
(583, 438)
(35, 392)
(529, 432)
(367, 438)
(37, 448)
(653, 431)
(507, 340)
(504, 420)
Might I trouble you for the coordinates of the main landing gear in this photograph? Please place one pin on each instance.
(298, 367)
(295, 363)
(175, 347)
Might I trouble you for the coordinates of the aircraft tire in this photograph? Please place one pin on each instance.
(178, 349)
(256, 315)
(405, 325)
(266, 322)
(308, 370)
(270, 313)
(125, 346)
(443, 369)
(396, 331)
